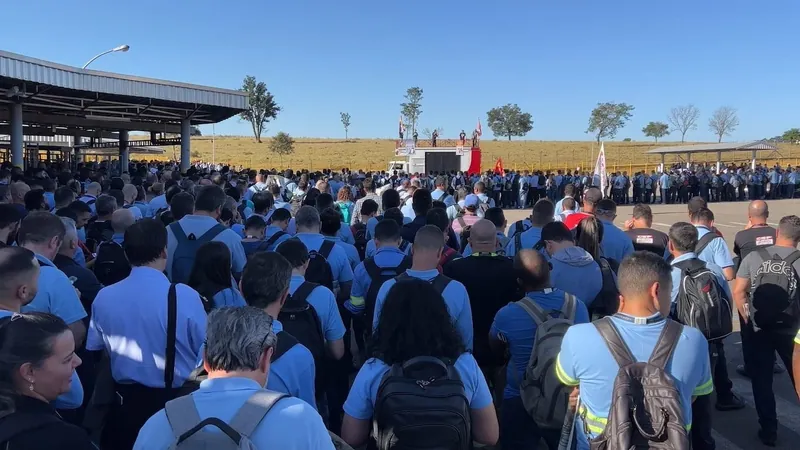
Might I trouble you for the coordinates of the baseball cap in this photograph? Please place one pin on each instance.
(471, 201)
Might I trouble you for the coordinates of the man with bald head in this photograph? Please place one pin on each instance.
(490, 283)
(426, 251)
(757, 234)
(121, 220)
(129, 194)
(93, 190)
(16, 196)
(514, 329)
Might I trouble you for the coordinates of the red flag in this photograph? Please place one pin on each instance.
(498, 166)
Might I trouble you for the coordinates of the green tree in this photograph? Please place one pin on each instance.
(792, 135)
(411, 109)
(509, 120)
(282, 144)
(656, 130)
(607, 118)
(261, 106)
(345, 123)
(723, 122)
(683, 118)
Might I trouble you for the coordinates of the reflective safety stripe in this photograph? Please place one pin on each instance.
(357, 301)
(562, 375)
(797, 338)
(704, 389)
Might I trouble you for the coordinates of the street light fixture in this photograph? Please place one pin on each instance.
(121, 48)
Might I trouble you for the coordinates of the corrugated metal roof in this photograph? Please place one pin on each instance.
(722, 147)
(34, 70)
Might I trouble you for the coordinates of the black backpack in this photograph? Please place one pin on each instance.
(702, 302)
(359, 231)
(703, 242)
(774, 293)
(319, 271)
(270, 243)
(439, 282)
(607, 300)
(422, 404)
(97, 232)
(300, 319)
(18, 423)
(378, 276)
(111, 265)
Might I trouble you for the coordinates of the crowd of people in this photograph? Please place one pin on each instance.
(221, 308)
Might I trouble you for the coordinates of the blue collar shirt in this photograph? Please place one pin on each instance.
(383, 257)
(56, 294)
(616, 244)
(198, 225)
(716, 252)
(158, 203)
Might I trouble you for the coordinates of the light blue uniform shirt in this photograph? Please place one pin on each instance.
(455, 297)
(119, 238)
(371, 250)
(157, 203)
(408, 212)
(716, 252)
(560, 207)
(228, 297)
(349, 249)
(293, 373)
(56, 294)
(137, 213)
(528, 239)
(50, 198)
(144, 208)
(360, 401)
(373, 222)
(586, 361)
(383, 257)
(448, 199)
(517, 329)
(338, 260)
(270, 231)
(345, 234)
(129, 321)
(86, 199)
(676, 276)
(324, 303)
(198, 225)
(68, 400)
(291, 424)
(616, 244)
(666, 181)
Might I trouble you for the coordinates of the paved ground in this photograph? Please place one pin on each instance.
(733, 430)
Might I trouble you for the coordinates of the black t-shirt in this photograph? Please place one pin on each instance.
(490, 284)
(649, 239)
(753, 238)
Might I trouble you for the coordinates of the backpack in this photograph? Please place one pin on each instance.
(19, 423)
(186, 249)
(111, 264)
(774, 294)
(319, 271)
(701, 302)
(448, 254)
(607, 300)
(422, 404)
(463, 236)
(703, 242)
(646, 410)
(344, 210)
(519, 227)
(359, 231)
(242, 206)
(189, 429)
(543, 395)
(403, 245)
(439, 282)
(300, 319)
(97, 232)
(274, 238)
(378, 276)
(540, 180)
(253, 247)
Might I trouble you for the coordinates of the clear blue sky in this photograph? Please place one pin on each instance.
(555, 59)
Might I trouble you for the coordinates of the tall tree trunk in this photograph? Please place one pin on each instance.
(683, 137)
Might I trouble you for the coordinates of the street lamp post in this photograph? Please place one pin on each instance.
(121, 48)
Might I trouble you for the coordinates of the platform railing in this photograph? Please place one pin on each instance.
(467, 143)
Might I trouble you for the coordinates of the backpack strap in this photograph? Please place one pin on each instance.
(372, 269)
(172, 326)
(285, 343)
(253, 411)
(704, 241)
(182, 415)
(618, 348)
(177, 230)
(764, 254)
(326, 248)
(440, 283)
(303, 291)
(403, 245)
(209, 235)
(535, 311)
(460, 220)
(665, 346)
(518, 242)
(570, 306)
(539, 245)
(274, 238)
(794, 256)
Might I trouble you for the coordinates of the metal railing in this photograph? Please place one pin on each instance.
(466, 143)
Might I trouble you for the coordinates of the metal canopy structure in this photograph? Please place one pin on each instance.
(45, 99)
(688, 150)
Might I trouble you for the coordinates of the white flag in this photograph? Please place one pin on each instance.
(600, 168)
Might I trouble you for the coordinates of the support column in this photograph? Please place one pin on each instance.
(688, 159)
(186, 144)
(753, 161)
(719, 161)
(153, 137)
(17, 140)
(76, 151)
(124, 151)
(663, 163)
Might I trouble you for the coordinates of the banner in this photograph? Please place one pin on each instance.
(498, 167)
(600, 168)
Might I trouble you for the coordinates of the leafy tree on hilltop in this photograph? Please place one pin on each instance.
(345, 123)
(723, 122)
(509, 120)
(684, 119)
(656, 130)
(607, 118)
(282, 144)
(411, 109)
(261, 106)
(792, 135)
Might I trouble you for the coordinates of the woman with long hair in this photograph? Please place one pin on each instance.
(211, 276)
(414, 322)
(589, 235)
(344, 203)
(37, 359)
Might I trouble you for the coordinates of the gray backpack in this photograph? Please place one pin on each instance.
(646, 410)
(543, 395)
(190, 432)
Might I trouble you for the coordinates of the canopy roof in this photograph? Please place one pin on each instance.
(721, 147)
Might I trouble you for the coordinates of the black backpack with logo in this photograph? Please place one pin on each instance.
(607, 300)
(378, 276)
(422, 404)
(359, 231)
(775, 294)
(300, 319)
(98, 232)
(111, 265)
(702, 302)
(319, 271)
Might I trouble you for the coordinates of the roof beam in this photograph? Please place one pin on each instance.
(91, 123)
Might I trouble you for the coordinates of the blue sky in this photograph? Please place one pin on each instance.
(555, 59)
